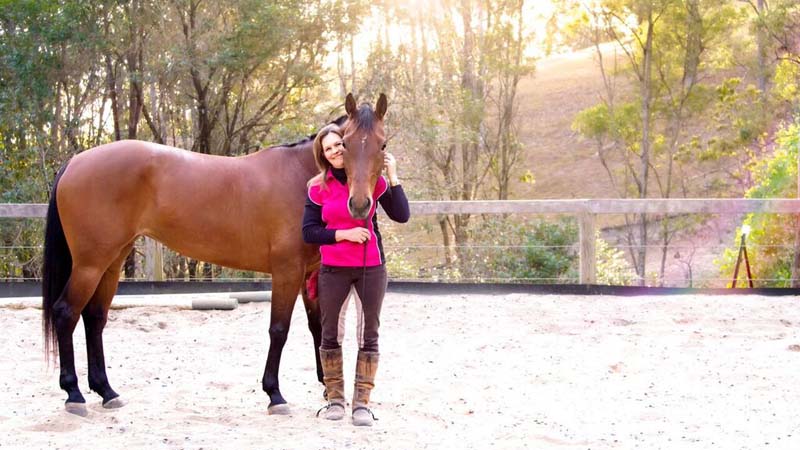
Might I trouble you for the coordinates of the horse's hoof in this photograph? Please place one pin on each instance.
(114, 403)
(79, 409)
(278, 410)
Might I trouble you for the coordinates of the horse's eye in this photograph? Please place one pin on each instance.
(383, 147)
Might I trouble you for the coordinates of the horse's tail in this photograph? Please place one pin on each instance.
(56, 270)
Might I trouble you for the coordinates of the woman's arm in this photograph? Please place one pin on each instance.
(395, 203)
(314, 231)
(394, 200)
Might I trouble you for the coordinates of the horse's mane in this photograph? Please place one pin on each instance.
(338, 121)
(366, 117)
(365, 120)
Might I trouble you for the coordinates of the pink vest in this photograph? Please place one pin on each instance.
(333, 201)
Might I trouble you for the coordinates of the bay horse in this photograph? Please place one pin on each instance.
(240, 212)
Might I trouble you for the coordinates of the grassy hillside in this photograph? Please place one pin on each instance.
(562, 86)
(566, 166)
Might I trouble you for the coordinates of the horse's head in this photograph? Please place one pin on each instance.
(364, 141)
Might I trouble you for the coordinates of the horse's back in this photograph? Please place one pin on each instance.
(230, 211)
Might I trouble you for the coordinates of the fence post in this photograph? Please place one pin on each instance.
(153, 260)
(588, 256)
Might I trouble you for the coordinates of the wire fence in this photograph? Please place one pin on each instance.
(541, 244)
(425, 262)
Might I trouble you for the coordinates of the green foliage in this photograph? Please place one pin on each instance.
(617, 135)
(769, 243)
(20, 251)
(787, 76)
(622, 125)
(612, 266)
(252, 62)
(684, 40)
(35, 36)
(502, 249)
(593, 122)
(776, 176)
(399, 262)
(536, 251)
(528, 178)
(739, 120)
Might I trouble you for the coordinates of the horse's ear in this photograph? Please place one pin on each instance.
(350, 104)
(382, 105)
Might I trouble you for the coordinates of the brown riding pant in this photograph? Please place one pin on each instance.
(335, 285)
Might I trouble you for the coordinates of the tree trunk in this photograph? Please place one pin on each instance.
(133, 57)
(130, 264)
(646, 92)
(666, 236)
(691, 64)
(340, 67)
(471, 120)
(30, 270)
(202, 143)
(763, 60)
(134, 105)
(465, 263)
(192, 268)
(111, 86)
(508, 140)
(182, 269)
(208, 271)
(352, 65)
(203, 124)
(796, 263)
(446, 242)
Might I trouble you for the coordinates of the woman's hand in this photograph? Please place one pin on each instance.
(390, 164)
(358, 235)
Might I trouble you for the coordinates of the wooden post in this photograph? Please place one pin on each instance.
(588, 256)
(153, 260)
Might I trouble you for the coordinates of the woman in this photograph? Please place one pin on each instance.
(345, 264)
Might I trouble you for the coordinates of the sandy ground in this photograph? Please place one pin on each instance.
(478, 371)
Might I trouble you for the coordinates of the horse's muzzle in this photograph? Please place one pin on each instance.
(359, 209)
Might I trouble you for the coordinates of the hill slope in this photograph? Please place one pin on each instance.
(566, 166)
(562, 86)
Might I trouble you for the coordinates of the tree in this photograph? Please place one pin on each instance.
(78, 74)
(664, 43)
(507, 65)
(776, 25)
(456, 61)
(774, 176)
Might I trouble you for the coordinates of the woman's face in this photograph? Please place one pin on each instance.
(332, 147)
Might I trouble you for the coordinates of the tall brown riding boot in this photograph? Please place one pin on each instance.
(333, 378)
(366, 366)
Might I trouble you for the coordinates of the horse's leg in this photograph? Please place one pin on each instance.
(315, 326)
(285, 287)
(95, 316)
(66, 312)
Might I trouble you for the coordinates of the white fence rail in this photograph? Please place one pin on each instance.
(585, 210)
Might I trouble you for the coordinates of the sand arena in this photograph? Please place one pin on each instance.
(457, 371)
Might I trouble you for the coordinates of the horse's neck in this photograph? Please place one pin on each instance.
(300, 156)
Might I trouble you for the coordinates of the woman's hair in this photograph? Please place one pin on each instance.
(319, 154)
